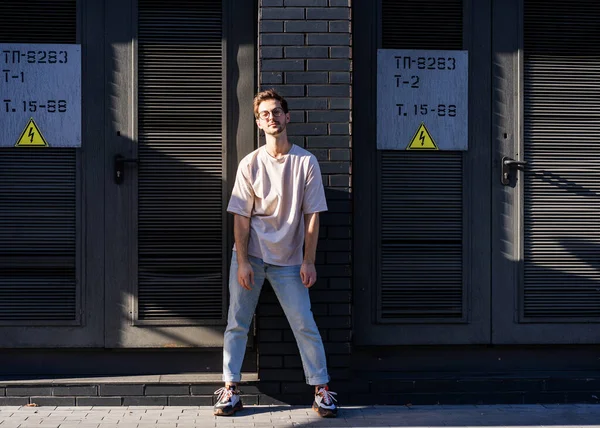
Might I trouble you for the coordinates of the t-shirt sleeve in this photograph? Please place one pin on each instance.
(314, 193)
(242, 195)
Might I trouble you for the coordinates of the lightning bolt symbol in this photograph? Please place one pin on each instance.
(31, 134)
(422, 138)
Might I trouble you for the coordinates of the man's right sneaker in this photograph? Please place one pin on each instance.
(324, 403)
(228, 401)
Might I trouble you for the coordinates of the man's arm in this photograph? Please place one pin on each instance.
(308, 273)
(241, 233)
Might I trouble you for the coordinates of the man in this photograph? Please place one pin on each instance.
(276, 200)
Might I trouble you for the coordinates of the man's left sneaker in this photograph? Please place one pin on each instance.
(324, 403)
(228, 401)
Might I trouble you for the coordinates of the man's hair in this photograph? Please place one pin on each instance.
(269, 94)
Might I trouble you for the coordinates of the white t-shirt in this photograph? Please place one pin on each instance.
(275, 194)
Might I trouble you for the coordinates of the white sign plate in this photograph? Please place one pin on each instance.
(422, 99)
(40, 95)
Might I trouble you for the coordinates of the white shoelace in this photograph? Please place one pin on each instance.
(327, 395)
(224, 393)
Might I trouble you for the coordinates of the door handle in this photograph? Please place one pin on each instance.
(120, 162)
(508, 165)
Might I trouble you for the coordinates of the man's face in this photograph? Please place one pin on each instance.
(271, 117)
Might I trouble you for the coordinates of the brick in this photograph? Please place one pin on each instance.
(340, 283)
(86, 390)
(267, 3)
(321, 155)
(307, 129)
(328, 65)
(305, 27)
(269, 387)
(98, 401)
(297, 116)
(288, 90)
(329, 90)
(339, 258)
(53, 401)
(271, 52)
(282, 65)
(192, 401)
(335, 167)
(340, 104)
(282, 39)
(271, 77)
(297, 388)
(14, 401)
(270, 335)
(306, 3)
(121, 389)
(339, 26)
(2, 391)
(340, 335)
(167, 390)
(306, 77)
(340, 180)
(342, 348)
(330, 39)
(251, 400)
(328, 13)
(329, 116)
(271, 26)
(337, 245)
(335, 271)
(306, 103)
(280, 349)
(339, 309)
(27, 391)
(285, 375)
(332, 296)
(144, 401)
(306, 52)
(340, 52)
(297, 140)
(270, 309)
(271, 361)
(339, 77)
(340, 207)
(339, 3)
(204, 389)
(282, 13)
(340, 128)
(266, 400)
(339, 155)
(292, 362)
(328, 141)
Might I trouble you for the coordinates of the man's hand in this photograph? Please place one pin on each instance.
(245, 275)
(308, 274)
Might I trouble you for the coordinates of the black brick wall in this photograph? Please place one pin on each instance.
(305, 54)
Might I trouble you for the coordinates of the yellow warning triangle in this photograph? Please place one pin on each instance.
(31, 136)
(422, 140)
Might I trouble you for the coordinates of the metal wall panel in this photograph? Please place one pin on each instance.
(38, 194)
(562, 148)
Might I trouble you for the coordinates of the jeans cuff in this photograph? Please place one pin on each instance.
(314, 381)
(231, 378)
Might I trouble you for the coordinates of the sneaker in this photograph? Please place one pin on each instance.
(324, 403)
(228, 401)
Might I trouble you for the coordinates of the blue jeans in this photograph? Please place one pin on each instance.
(294, 299)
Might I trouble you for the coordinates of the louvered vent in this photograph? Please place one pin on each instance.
(37, 192)
(421, 193)
(562, 146)
(180, 91)
(421, 24)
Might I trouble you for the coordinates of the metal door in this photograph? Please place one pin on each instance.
(546, 232)
(171, 136)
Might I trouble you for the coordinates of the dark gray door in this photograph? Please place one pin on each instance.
(421, 256)
(171, 143)
(51, 236)
(546, 228)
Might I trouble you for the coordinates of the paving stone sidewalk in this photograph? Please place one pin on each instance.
(555, 416)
